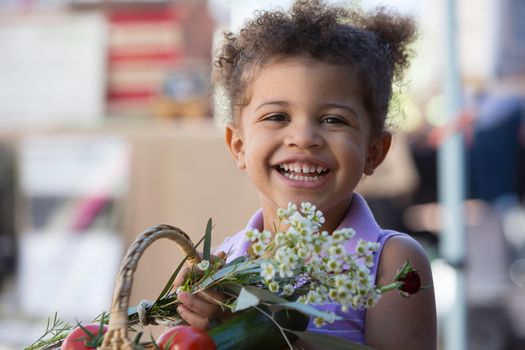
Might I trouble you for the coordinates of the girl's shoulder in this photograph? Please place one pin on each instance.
(396, 322)
(397, 249)
(400, 245)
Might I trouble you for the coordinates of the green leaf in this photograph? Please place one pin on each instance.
(266, 295)
(86, 331)
(310, 310)
(403, 270)
(136, 338)
(207, 241)
(263, 295)
(237, 260)
(326, 341)
(247, 267)
(169, 284)
(155, 345)
(245, 300)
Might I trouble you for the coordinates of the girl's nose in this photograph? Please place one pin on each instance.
(303, 135)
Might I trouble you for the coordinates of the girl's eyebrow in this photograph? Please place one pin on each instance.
(341, 106)
(277, 102)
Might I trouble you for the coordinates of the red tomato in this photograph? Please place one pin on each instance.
(78, 339)
(185, 338)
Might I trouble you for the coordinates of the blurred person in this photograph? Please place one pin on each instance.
(495, 150)
(496, 158)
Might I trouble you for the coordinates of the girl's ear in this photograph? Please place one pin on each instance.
(235, 144)
(377, 152)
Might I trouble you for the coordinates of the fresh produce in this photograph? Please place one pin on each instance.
(84, 337)
(255, 331)
(185, 338)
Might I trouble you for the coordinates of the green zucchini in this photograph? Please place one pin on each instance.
(255, 331)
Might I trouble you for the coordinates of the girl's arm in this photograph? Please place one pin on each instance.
(397, 322)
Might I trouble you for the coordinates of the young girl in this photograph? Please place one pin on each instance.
(309, 93)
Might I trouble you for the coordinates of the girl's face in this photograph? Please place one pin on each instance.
(305, 136)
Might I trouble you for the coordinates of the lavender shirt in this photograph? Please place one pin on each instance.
(358, 217)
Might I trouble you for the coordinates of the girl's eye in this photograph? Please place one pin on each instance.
(333, 119)
(277, 117)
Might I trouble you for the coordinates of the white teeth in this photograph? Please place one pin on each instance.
(305, 169)
(302, 178)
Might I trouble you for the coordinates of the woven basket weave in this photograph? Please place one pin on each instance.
(116, 337)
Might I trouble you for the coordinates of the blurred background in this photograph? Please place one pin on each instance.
(107, 128)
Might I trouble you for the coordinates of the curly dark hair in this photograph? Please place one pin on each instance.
(374, 45)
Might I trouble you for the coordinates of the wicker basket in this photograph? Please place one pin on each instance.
(116, 337)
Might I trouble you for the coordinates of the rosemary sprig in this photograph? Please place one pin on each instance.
(56, 331)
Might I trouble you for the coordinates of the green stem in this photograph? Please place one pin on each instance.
(391, 286)
(47, 342)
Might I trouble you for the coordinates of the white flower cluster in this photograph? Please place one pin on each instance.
(203, 265)
(312, 264)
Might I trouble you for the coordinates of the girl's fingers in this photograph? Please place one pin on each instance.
(212, 296)
(197, 305)
(192, 318)
(179, 280)
(216, 298)
(198, 309)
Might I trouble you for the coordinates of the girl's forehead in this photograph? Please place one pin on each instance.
(277, 65)
(284, 72)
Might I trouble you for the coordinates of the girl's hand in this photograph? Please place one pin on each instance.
(198, 310)
(202, 308)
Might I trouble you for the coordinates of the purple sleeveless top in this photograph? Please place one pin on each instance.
(358, 217)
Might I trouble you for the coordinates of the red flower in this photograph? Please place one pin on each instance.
(411, 282)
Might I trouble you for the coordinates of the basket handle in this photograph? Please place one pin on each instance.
(116, 337)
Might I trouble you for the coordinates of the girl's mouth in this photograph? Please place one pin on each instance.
(302, 172)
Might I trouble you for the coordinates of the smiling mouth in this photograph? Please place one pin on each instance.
(302, 172)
